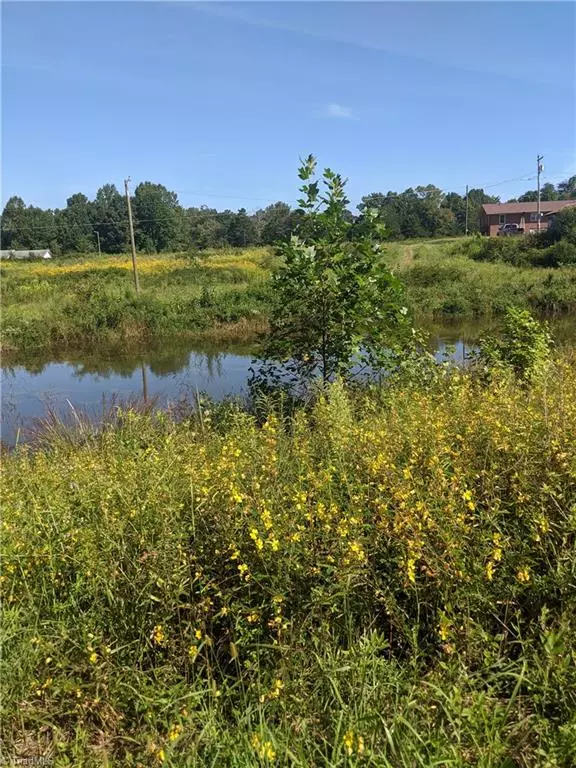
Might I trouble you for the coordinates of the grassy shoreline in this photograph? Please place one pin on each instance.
(84, 302)
(225, 295)
(386, 580)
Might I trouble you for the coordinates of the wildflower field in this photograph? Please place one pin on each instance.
(86, 301)
(386, 578)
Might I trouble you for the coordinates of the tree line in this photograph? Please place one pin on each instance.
(161, 223)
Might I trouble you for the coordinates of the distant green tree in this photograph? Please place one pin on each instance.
(204, 228)
(421, 212)
(225, 219)
(436, 217)
(567, 189)
(410, 210)
(42, 229)
(563, 227)
(28, 227)
(110, 219)
(241, 231)
(335, 301)
(548, 192)
(388, 212)
(158, 221)
(430, 194)
(14, 223)
(529, 197)
(276, 223)
(74, 227)
(457, 204)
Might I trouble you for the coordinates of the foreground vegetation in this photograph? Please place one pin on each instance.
(384, 579)
(226, 295)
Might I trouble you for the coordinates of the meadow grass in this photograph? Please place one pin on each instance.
(226, 295)
(442, 281)
(84, 301)
(383, 579)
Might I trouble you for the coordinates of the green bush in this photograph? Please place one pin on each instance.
(562, 252)
(552, 248)
(563, 227)
(523, 345)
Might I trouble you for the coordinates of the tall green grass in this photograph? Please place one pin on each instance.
(384, 579)
(442, 281)
(84, 302)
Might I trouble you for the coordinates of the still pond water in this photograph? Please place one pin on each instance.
(165, 374)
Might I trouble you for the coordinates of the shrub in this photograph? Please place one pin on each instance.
(551, 248)
(562, 252)
(563, 227)
(523, 346)
(335, 300)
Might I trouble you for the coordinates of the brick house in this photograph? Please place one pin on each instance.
(494, 215)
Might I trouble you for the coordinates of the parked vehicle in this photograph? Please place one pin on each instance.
(510, 229)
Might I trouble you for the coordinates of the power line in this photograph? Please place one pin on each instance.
(226, 197)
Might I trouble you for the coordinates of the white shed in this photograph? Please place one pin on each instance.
(43, 253)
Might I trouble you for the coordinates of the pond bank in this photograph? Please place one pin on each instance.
(165, 371)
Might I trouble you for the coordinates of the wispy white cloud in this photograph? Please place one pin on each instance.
(338, 111)
(237, 12)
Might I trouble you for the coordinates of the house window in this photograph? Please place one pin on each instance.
(533, 217)
(502, 218)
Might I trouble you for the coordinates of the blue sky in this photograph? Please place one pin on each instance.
(218, 100)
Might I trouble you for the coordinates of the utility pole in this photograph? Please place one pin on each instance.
(539, 159)
(144, 382)
(136, 284)
(98, 238)
(466, 227)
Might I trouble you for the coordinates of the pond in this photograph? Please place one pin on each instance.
(164, 373)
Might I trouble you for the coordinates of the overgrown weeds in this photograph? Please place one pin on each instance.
(227, 294)
(386, 580)
(89, 302)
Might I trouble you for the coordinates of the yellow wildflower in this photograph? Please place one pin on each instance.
(523, 575)
(411, 570)
(490, 570)
(174, 732)
(263, 749)
(349, 742)
(158, 635)
(243, 569)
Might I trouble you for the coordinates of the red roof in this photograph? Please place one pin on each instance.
(546, 206)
